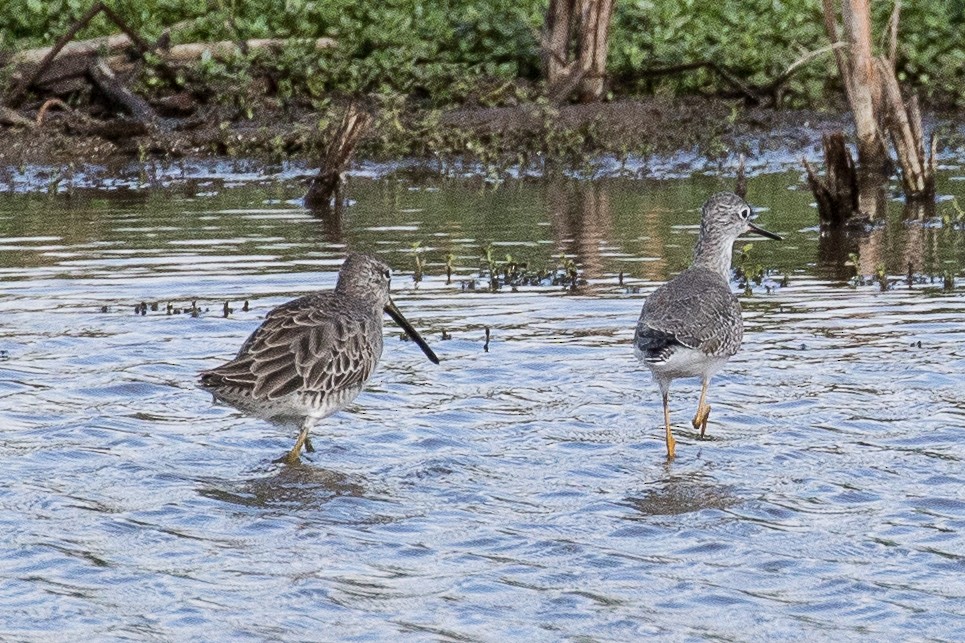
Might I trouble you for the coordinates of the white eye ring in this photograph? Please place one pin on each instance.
(745, 213)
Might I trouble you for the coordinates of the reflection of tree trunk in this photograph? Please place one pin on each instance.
(581, 223)
(872, 195)
(575, 45)
(872, 250)
(845, 190)
(914, 235)
(872, 203)
(331, 215)
(836, 192)
(835, 246)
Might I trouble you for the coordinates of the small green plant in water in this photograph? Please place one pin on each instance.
(420, 262)
(953, 218)
(449, 260)
(881, 277)
(747, 273)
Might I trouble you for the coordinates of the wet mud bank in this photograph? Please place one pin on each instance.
(533, 138)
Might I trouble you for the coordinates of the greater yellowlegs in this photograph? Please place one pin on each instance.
(313, 355)
(691, 325)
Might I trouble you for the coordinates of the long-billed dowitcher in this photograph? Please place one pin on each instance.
(691, 325)
(312, 356)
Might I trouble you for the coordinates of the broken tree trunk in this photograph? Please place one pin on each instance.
(862, 83)
(740, 183)
(904, 126)
(837, 191)
(325, 189)
(575, 45)
(871, 87)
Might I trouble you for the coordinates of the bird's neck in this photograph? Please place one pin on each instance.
(714, 255)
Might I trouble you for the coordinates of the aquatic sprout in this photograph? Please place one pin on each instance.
(53, 184)
(954, 219)
(881, 277)
(419, 262)
(449, 259)
(748, 273)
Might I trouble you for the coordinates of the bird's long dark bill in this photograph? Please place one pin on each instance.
(396, 315)
(764, 233)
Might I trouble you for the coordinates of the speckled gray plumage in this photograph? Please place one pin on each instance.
(691, 325)
(696, 309)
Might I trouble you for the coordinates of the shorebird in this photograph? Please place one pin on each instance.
(313, 355)
(691, 325)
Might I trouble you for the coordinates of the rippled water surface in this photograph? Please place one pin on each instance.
(520, 493)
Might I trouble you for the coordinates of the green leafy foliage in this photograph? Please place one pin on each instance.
(443, 52)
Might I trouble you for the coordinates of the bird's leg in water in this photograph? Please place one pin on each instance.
(294, 456)
(671, 443)
(703, 410)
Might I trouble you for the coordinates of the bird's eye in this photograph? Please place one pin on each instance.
(387, 273)
(745, 213)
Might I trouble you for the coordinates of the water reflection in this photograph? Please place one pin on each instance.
(331, 212)
(681, 494)
(290, 486)
(582, 222)
(509, 495)
(906, 246)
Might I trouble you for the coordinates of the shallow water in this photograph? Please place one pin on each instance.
(520, 493)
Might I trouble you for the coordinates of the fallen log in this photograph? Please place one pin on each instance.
(19, 92)
(67, 73)
(103, 45)
(227, 49)
(118, 94)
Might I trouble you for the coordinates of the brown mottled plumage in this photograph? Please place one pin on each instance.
(313, 355)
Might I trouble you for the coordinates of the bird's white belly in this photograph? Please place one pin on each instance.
(294, 407)
(686, 362)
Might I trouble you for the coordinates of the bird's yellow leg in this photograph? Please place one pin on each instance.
(703, 410)
(294, 456)
(671, 443)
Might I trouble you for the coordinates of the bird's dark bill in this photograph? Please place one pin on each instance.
(413, 334)
(764, 233)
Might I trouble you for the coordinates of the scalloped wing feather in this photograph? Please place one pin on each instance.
(696, 309)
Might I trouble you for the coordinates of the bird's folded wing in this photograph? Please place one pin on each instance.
(301, 347)
(701, 314)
